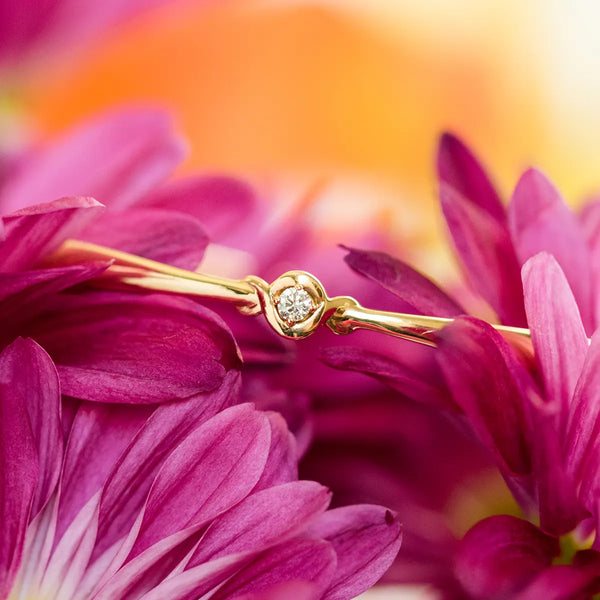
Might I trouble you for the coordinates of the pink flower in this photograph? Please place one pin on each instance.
(181, 348)
(169, 502)
(41, 29)
(538, 418)
(148, 478)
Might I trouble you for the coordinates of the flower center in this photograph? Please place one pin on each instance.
(294, 304)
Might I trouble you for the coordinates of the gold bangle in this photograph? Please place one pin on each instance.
(295, 304)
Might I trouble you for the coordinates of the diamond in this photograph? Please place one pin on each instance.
(295, 304)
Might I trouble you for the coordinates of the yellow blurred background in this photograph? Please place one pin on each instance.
(288, 93)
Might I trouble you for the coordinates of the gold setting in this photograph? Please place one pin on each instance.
(253, 295)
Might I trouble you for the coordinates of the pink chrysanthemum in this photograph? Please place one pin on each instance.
(128, 467)
(196, 498)
(534, 265)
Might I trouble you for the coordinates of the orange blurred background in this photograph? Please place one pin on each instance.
(354, 93)
(288, 93)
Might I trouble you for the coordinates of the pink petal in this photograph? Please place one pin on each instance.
(98, 436)
(19, 483)
(40, 28)
(419, 293)
(293, 436)
(38, 386)
(226, 207)
(582, 452)
(193, 583)
(35, 232)
(487, 255)
(540, 221)
(22, 294)
(215, 467)
(71, 554)
(30, 286)
(366, 540)
(558, 336)
(211, 470)
(163, 235)
(264, 519)
(559, 506)
(590, 222)
(116, 158)
(562, 582)
(282, 463)
(560, 345)
(459, 169)
(298, 560)
(258, 343)
(501, 554)
(491, 386)
(419, 385)
(142, 574)
(565, 582)
(128, 484)
(298, 590)
(180, 348)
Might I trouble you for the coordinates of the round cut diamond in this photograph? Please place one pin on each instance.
(295, 304)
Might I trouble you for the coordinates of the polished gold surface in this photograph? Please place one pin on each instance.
(252, 295)
(128, 270)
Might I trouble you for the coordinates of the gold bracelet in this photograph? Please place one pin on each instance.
(295, 304)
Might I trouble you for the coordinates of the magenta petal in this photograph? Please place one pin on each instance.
(500, 554)
(561, 345)
(590, 221)
(29, 286)
(560, 508)
(298, 560)
(116, 159)
(263, 519)
(70, 554)
(22, 294)
(128, 484)
(98, 436)
(563, 582)
(163, 235)
(417, 385)
(298, 590)
(215, 467)
(34, 232)
(558, 336)
(282, 463)
(146, 571)
(18, 454)
(180, 348)
(291, 436)
(366, 540)
(490, 385)
(43, 29)
(581, 444)
(458, 168)
(225, 206)
(193, 583)
(540, 221)
(38, 386)
(419, 293)
(487, 254)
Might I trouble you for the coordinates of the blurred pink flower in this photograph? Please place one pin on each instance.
(537, 418)
(146, 480)
(91, 336)
(42, 29)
